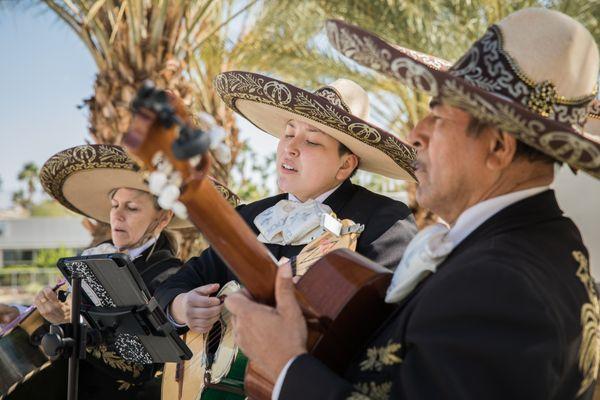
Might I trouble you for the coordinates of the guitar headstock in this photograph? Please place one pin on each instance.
(164, 142)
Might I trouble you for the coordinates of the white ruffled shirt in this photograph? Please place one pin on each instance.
(292, 222)
(430, 247)
(319, 200)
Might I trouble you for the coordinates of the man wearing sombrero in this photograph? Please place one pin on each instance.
(323, 138)
(498, 304)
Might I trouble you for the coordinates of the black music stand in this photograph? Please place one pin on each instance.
(110, 294)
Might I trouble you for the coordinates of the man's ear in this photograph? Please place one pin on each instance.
(349, 164)
(501, 150)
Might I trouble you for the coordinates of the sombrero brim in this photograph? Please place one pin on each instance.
(81, 179)
(415, 70)
(269, 104)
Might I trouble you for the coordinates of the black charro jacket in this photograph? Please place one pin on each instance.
(512, 313)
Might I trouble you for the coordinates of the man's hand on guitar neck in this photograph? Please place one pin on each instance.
(197, 309)
(270, 337)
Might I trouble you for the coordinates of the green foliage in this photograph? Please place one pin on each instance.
(47, 258)
(17, 268)
(49, 208)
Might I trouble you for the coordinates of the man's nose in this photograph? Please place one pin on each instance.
(419, 135)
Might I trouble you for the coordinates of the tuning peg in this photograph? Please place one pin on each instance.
(190, 143)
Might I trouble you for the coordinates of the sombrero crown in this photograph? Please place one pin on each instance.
(339, 110)
(82, 177)
(532, 74)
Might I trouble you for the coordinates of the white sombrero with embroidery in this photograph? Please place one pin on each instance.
(81, 178)
(340, 110)
(532, 74)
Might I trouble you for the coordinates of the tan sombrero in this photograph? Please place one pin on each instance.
(339, 109)
(533, 74)
(81, 178)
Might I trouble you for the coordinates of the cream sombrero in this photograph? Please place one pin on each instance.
(533, 74)
(81, 178)
(339, 109)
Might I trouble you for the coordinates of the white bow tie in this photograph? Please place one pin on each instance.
(424, 253)
(291, 223)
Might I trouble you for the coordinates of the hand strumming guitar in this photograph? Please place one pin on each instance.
(197, 309)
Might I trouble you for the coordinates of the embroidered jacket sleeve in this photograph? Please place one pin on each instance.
(476, 334)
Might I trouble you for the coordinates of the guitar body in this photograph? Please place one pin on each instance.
(348, 292)
(18, 357)
(201, 379)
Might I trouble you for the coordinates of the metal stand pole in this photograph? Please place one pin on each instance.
(73, 382)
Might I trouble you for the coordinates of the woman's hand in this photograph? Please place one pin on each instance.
(51, 308)
(8, 313)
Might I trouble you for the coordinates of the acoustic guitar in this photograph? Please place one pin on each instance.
(216, 369)
(336, 292)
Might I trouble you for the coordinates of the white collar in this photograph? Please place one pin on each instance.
(319, 199)
(474, 216)
(136, 252)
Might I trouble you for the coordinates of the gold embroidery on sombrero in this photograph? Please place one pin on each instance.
(594, 109)
(60, 166)
(589, 351)
(365, 51)
(234, 85)
(379, 357)
(488, 66)
(372, 391)
(332, 96)
(414, 75)
(231, 197)
(572, 149)
(354, 47)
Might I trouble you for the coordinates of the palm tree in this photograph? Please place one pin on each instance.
(134, 40)
(29, 174)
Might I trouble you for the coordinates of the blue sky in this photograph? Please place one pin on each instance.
(45, 73)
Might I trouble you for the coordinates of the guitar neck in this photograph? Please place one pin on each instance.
(231, 238)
